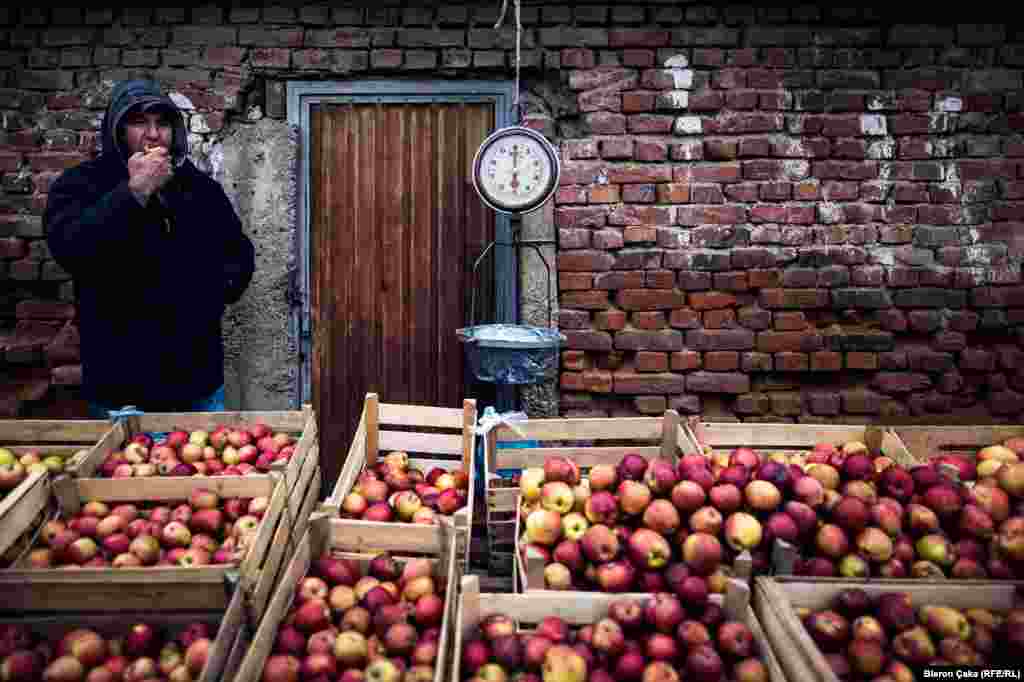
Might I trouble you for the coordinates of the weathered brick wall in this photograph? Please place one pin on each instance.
(801, 212)
(794, 214)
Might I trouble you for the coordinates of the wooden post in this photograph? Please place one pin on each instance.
(737, 600)
(783, 557)
(534, 577)
(468, 426)
(371, 413)
(66, 492)
(743, 566)
(668, 434)
(470, 599)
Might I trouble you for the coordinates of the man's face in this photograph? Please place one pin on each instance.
(145, 130)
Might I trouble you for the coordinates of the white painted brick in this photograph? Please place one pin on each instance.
(683, 78)
(872, 124)
(795, 169)
(678, 61)
(882, 149)
(197, 124)
(688, 125)
(830, 213)
(949, 104)
(181, 101)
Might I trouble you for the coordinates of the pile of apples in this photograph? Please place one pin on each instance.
(225, 451)
(347, 626)
(890, 637)
(658, 525)
(140, 652)
(392, 490)
(15, 469)
(660, 641)
(204, 530)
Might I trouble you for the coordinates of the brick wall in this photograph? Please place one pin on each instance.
(802, 212)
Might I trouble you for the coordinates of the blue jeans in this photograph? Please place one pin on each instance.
(211, 403)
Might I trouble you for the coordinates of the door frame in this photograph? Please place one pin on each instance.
(301, 96)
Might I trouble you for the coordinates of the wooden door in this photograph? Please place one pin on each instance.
(395, 228)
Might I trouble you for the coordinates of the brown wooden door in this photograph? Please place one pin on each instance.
(395, 228)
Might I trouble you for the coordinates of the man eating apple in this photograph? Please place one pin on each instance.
(156, 252)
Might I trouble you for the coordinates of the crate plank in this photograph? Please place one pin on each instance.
(927, 441)
(776, 600)
(20, 507)
(326, 533)
(426, 450)
(582, 609)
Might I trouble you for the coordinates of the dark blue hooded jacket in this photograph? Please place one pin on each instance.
(151, 282)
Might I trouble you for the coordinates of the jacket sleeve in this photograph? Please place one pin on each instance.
(239, 253)
(85, 229)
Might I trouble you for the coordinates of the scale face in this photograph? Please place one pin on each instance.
(516, 170)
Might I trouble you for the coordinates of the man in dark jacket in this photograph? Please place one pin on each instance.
(156, 252)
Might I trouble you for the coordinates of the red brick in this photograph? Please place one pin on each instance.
(640, 235)
(711, 300)
(610, 320)
(861, 360)
(754, 318)
(684, 318)
(569, 281)
(44, 310)
(720, 339)
(823, 404)
(635, 102)
(9, 161)
(977, 359)
(717, 382)
(775, 341)
(794, 298)
(575, 360)
(603, 194)
(900, 382)
(673, 193)
(791, 362)
(686, 360)
(719, 319)
(585, 261)
(578, 58)
(639, 194)
(587, 340)
(651, 151)
(721, 361)
(54, 161)
(626, 382)
(711, 215)
(760, 279)
(586, 300)
(650, 299)
(730, 281)
(607, 240)
(571, 381)
(12, 248)
(659, 279)
(648, 320)
(707, 172)
(752, 403)
(650, 404)
(598, 381)
(756, 362)
(694, 280)
(647, 361)
(826, 361)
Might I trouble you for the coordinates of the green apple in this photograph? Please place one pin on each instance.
(7, 457)
(54, 463)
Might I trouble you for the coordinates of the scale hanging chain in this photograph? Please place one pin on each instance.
(519, 28)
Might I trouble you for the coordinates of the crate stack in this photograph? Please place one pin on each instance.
(61, 579)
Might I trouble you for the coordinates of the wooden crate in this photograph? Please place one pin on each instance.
(584, 608)
(204, 587)
(299, 423)
(326, 533)
(796, 438)
(440, 437)
(229, 623)
(925, 442)
(64, 437)
(67, 439)
(776, 601)
(586, 441)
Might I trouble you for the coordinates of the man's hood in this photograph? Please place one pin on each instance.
(128, 94)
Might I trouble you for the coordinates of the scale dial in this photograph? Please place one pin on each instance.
(515, 170)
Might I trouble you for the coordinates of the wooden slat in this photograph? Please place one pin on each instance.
(371, 418)
(582, 609)
(421, 148)
(86, 431)
(450, 231)
(324, 534)
(172, 487)
(20, 508)
(394, 414)
(433, 443)
(597, 428)
(784, 435)
(927, 441)
(522, 458)
(289, 421)
(393, 251)
(775, 600)
(111, 441)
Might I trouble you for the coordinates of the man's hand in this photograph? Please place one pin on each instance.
(148, 172)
